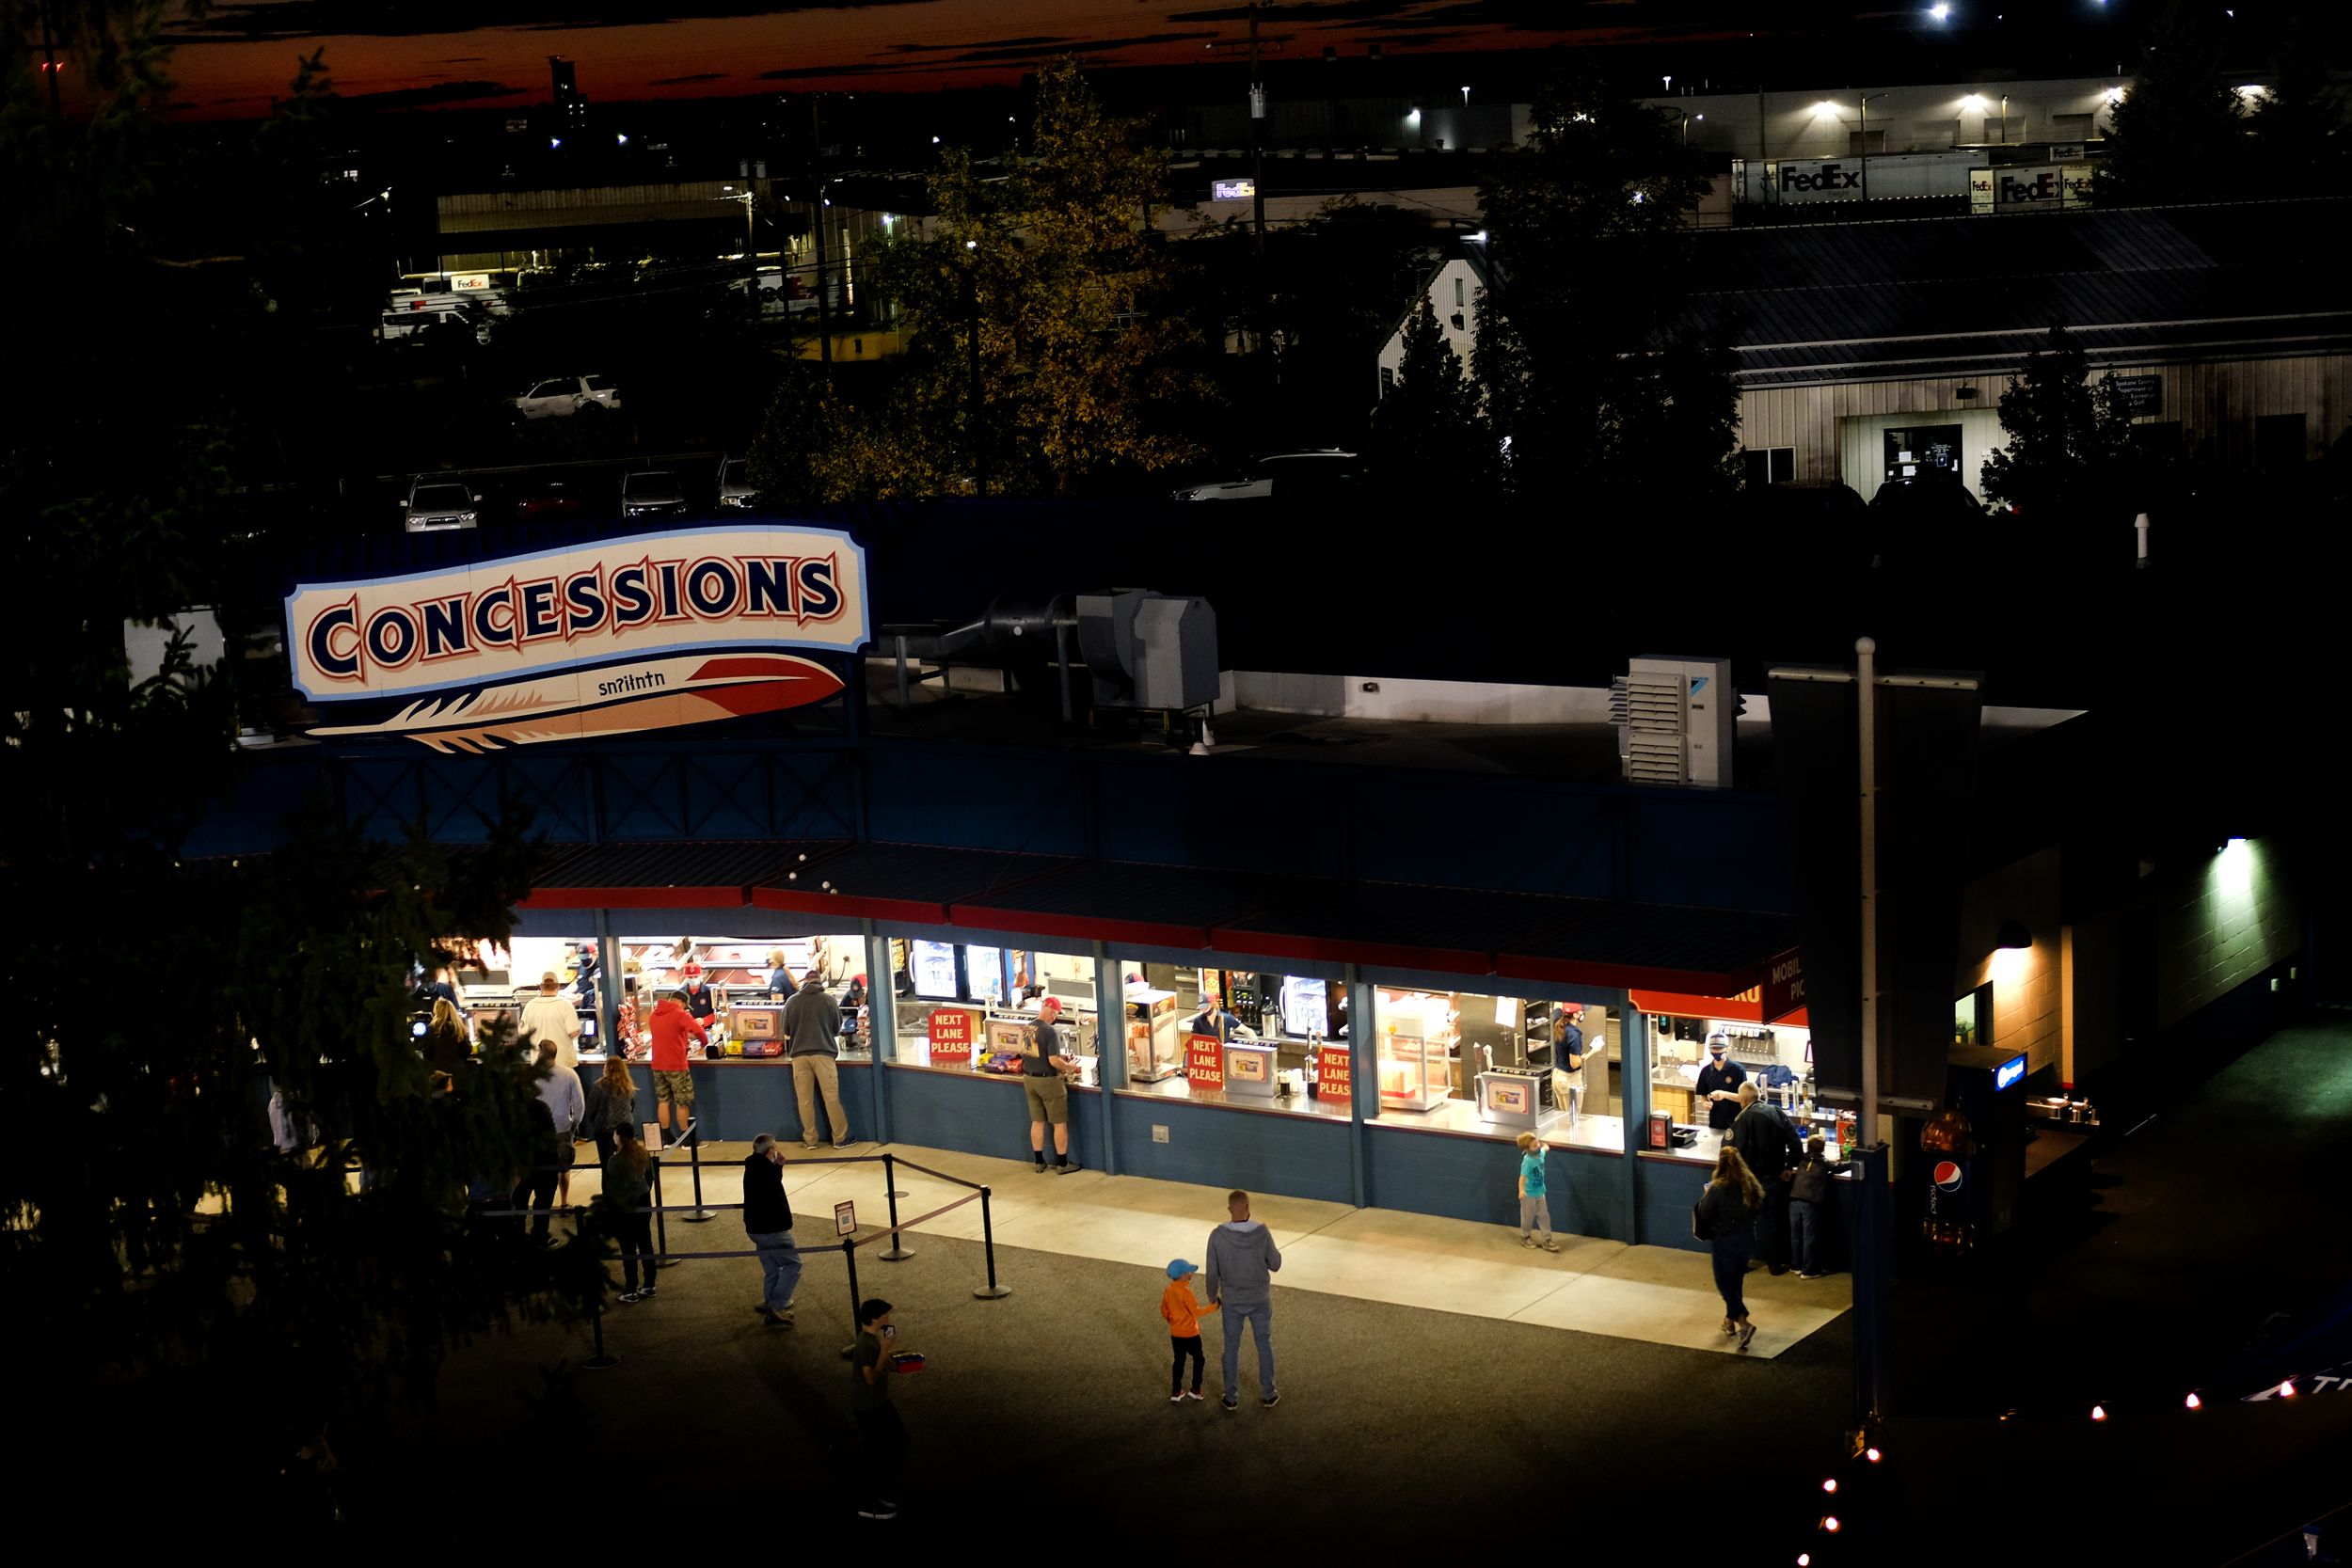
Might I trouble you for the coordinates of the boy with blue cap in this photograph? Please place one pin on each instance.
(1183, 1314)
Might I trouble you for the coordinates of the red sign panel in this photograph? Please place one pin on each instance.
(952, 1037)
(1335, 1072)
(1784, 986)
(1204, 1062)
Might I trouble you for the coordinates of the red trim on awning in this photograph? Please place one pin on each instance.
(817, 901)
(635, 898)
(1367, 955)
(1078, 927)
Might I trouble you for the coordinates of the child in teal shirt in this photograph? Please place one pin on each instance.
(1535, 1212)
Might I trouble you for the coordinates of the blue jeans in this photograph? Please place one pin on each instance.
(1259, 1317)
(1732, 1253)
(1805, 1228)
(779, 1267)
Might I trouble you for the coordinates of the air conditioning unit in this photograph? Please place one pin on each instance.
(1674, 720)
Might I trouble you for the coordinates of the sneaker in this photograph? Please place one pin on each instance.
(1065, 1166)
(1176, 1397)
(630, 1298)
(1747, 1332)
(645, 1292)
(1040, 1168)
(786, 1308)
(1192, 1393)
(808, 1147)
(1232, 1403)
(1551, 1245)
(1813, 1273)
(1527, 1240)
(844, 1143)
(779, 1320)
(1271, 1401)
(878, 1510)
(1779, 1269)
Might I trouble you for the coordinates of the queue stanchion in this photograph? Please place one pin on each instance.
(991, 1291)
(849, 1253)
(602, 1360)
(900, 1252)
(698, 1213)
(661, 1258)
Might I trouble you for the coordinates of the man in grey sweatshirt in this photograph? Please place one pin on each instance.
(1242, 1258)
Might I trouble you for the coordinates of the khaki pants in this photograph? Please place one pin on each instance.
(809, 1074)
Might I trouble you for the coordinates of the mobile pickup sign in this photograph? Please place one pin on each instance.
(639, 633)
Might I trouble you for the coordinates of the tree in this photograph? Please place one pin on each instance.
(2180, 130)
(184, 1275)
(1429, 434)
(1589, 368)
(1082, 361)
(2069, 438)
(2301, 138)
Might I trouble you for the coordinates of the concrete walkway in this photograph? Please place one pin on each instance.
(1661, 1295)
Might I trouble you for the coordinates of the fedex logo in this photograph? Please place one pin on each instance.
(2043, 186)
(1829, 176)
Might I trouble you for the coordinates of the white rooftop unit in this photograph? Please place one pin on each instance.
(1674, 719)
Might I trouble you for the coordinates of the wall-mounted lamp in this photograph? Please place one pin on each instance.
(2013, 933)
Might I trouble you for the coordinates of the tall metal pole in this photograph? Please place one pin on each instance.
(817, 180)
(1866, 694)
(979, 444)
(1257, 138)
(1865, 134)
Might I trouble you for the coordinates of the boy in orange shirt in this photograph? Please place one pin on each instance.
(1184, 1313)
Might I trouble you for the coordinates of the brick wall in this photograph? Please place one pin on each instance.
(2218, 925)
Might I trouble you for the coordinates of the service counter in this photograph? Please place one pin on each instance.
(981, 1113)
(737, 1098)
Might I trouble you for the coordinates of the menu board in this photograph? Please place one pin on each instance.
(1306, 1008)
(985, 969)
(935, 971)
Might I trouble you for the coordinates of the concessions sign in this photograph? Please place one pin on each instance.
(952, 1037)
(1335, 1072)
(1204, 1061)
(645, 632)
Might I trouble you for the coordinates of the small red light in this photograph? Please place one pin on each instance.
(2193, 1401)
(1830, 1485)
(2286, 1389)
(1870, 1454)
(2098, 1412)
(1830, 1524)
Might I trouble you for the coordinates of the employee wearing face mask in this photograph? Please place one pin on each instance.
(1719, 1083)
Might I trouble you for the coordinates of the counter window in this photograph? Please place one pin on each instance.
(1233, 1037)
(1694, 1089)
(1466, 1061)
(974, 1008)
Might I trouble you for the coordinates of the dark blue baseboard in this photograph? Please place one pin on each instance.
(1477, 1179)
(980, 1113)
(1297, 1156)
(738, 1102)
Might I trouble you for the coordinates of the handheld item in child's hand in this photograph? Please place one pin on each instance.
(906, 1362)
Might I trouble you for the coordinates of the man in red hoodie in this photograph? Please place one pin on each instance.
(672, 1081)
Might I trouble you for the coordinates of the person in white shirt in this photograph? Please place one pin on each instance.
(553, 1021)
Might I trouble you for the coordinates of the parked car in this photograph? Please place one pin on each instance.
(654, 493)
(433, 505)
(1290, 473)
(736, 489)
(562, 396)
(1827, 516)
(547, 502)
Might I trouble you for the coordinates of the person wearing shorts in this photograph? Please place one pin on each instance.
(1045, 1083)
(672, 1082)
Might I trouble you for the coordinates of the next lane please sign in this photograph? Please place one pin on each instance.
(1204, 1062)
(952, 1037)
(1335, 1072)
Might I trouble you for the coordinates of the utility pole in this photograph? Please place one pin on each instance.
(816, 182)
(1257, 136)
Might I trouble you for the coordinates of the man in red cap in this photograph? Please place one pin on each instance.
(1046, 1073)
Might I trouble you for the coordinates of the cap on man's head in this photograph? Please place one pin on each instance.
(1051, 1004)
(548, 981)
(1718, 1044)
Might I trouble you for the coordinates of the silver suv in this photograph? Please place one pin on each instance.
(654, 493)
(435, 504)
(736, 489)
(565, 395)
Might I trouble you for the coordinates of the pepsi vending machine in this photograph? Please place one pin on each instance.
(1978, 1172)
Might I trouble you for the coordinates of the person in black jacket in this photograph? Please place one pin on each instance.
(1719, 1085)
(1773, 1150)
(1725, 1216)
(768, 1219)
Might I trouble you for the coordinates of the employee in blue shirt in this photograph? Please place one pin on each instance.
(1214, 1020)
(1719, 1083)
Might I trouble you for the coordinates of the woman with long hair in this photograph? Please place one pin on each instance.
(626, 1189)
(1725, 1216)
(447, 1046)
(611, 1105)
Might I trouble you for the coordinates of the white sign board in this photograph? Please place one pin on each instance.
(1233, 190)
(641, 632)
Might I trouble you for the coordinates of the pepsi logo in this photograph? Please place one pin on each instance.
(1947, 1176)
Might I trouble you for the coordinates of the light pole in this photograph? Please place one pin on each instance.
(1864, 136)
(2004, 119)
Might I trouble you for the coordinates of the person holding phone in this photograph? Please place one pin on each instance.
(882, 1436)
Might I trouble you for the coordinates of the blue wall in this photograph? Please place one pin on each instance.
(1477, 1179)
(1667, 1189)
(1298, 1156)
(983, 1114)
(738, 1102)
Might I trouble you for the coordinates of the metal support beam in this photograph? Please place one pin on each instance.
(1365, 1072)
(1110, 1047)
(881, 1005)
